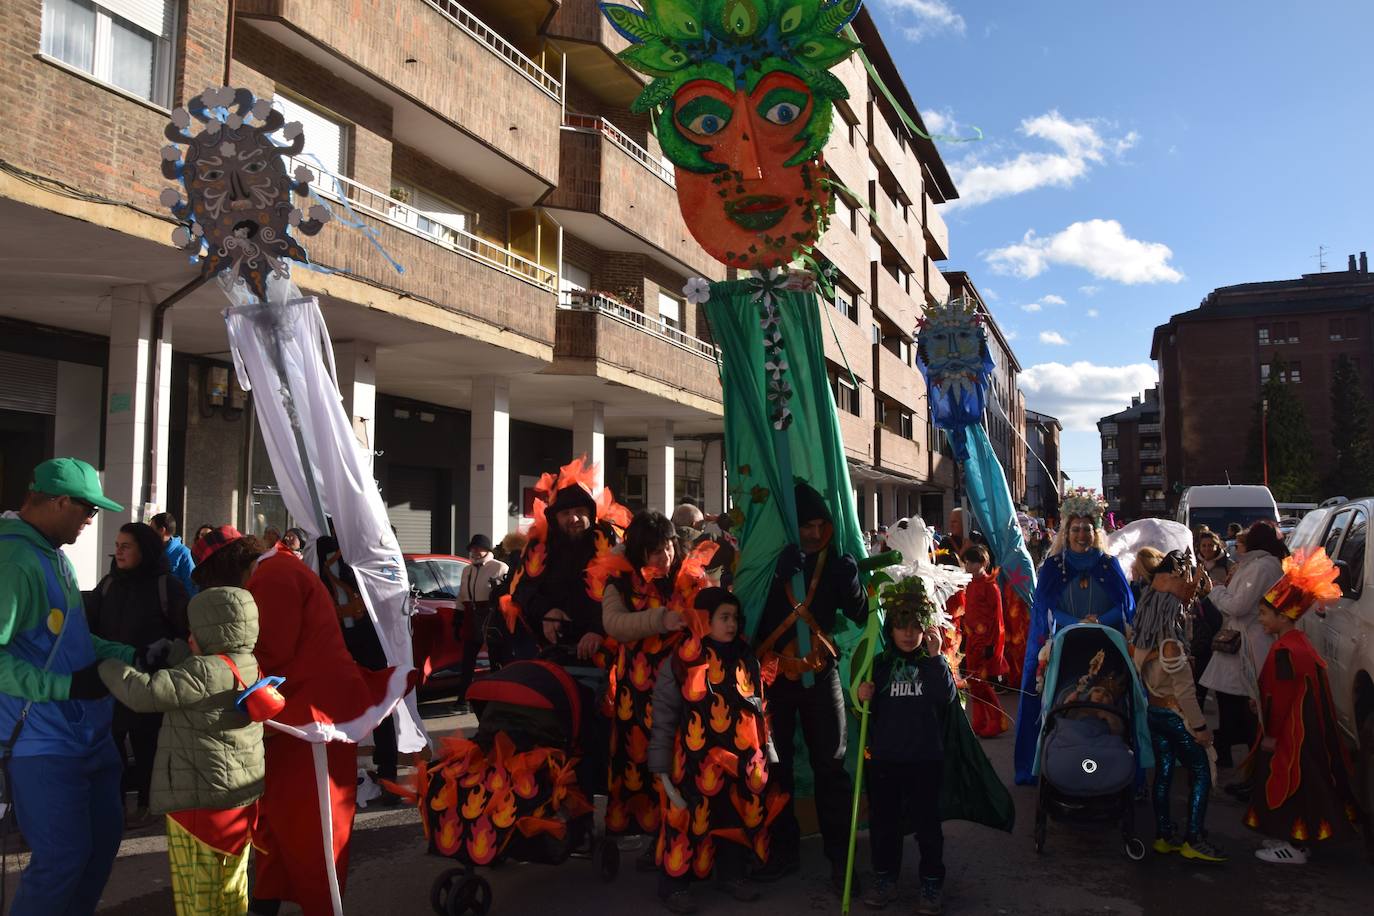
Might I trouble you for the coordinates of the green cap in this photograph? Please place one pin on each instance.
(72, 477)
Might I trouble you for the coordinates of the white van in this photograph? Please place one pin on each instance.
(1220, 505)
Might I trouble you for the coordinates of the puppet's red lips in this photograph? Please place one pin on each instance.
(757, 211)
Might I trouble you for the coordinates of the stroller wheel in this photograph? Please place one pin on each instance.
(1135, 849)
(470, 897)
(442, 889)
(608, 859)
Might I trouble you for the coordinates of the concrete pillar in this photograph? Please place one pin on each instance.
(489, 489)
(713, 477)
(662, 467)
(128, 413)
(868, 515)
(589, 435)
(891, 510)
(76, 434)
(356, 364)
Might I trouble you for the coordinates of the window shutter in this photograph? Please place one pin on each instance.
(324, 137)
(154, 16)
(28, 383)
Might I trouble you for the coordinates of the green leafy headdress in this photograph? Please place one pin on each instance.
(735, 43)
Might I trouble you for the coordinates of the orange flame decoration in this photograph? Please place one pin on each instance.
(678, 857)
(482, 841)
(747, 733)
(701, 817)
(641, 675)
(649, 716)
(533, 826)
(637, 744)
(761, 845)
(775, 803)
(523, 782)
(476, 803)
(535, 556)
(756, 773)
(1300, 829)
(720, 714)
(502, 810)
(445, 798)
(743, 681)
(709, 780)
(704, 859)
(689, 650)
(625, 708)
(696, 732)
(603, 568)
(1309, 577)
(751, 811)
(715, 671)
(645, 807)
(449, 835)
(1251, 818)
(694, 687)
(1324, 831)
(679, 763)
(617, 817)
(634, 778)
(498, 781)
(726, 760)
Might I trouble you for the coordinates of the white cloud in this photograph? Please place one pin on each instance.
(920, 19)
(990, 294)
(1031, 307)
(1052, 299)
(1089, 290)
(1053, 338)
(1011, 335)
(1099, 246)
(1081, 145)
(1082, 393)
(1092, 313)
(937, 121)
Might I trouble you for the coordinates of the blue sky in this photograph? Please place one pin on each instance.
(1137, 156)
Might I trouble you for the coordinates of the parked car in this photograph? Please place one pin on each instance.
(1218, 505)
(434, 580)
(1344, 632)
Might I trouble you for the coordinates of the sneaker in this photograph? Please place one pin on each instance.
(1285, 854)
(883, 892)
(680, 902)
(738, 888)
(1164, 845)
(1199, 850)
(775, 868)
(932, 898)
(837, 881)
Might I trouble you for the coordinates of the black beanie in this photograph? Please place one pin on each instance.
(571, 497)
(810, 505)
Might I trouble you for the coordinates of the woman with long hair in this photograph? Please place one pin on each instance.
(646, 592)
(1206, 619)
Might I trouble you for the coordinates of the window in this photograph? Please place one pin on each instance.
(1283, 332)
(670, 309)
(1352, 554)
(880, 410)
(1264, 372)
(573, 279)
(846, 395)
(426, 213)
(845, 303)
(1344, 329)
(326, 137)
(1109, 441)
(126, 43)
(905, 424)
(1293, 375)
(1262, 333)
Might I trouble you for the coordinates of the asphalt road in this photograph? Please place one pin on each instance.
(1082, 871)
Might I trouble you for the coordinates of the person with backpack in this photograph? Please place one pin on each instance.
(139, 603)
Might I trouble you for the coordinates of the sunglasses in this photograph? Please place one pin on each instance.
(91, 510)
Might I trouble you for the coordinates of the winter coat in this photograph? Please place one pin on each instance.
(181, 564)
(911, 698)
(142, 605)
(1256, 572)
(209, 755)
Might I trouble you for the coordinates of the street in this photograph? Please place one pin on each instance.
(1082, 871)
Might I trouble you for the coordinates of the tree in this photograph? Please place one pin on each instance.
(1280, 413)
(1353, 471)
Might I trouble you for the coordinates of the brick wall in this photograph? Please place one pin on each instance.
(415, 168)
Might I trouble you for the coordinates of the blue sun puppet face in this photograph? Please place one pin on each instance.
(952, 354)
(239, 206)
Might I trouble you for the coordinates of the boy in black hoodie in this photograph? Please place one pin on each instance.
(910, 693)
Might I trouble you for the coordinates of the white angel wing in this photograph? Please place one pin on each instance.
(1160, 533)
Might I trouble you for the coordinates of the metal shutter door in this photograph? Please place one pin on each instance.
(28, 383)
(410, 500)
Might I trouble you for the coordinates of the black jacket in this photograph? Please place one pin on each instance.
(838, 591)
(563, 585)
(912, 695)
(128, 607)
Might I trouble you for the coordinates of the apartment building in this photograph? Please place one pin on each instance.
(1213, 360)
(1133, 459)
(490, 148)
(1045, 477)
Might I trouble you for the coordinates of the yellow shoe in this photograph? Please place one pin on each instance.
(1165, 845)
(1202, 851)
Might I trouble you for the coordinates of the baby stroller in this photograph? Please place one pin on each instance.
(512, 792)
(1091, 747)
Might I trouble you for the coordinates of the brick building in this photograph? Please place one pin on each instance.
(1132, 459)
(1213, 359)
(1044, 471)
(540, 314)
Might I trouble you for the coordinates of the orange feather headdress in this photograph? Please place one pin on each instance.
(1309, 579)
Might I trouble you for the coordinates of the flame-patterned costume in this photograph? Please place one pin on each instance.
(633, 804)
(1302, 788)
(1016, 627)
(983, 649)
(712, 709)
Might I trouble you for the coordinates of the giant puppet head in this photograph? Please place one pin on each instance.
(742, 101)
(952, 354)
(239, 203)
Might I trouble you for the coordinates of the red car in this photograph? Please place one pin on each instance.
(434, 579)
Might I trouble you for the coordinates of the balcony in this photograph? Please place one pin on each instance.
(1148, 429)
(1110, 480)
(594, 328)
(937, 233)
(938, 287)
(1152, 480)
(457, 270)
(1108, 429)
(1153, 505)
(899, 381)
(497, 123)
(590, 44)
(615, 194)
(1148, 454)
(902, 234)
(901, 455)
(1110, 454)
(844, 249)
(855, 341)
(895, 303)
(857, 433)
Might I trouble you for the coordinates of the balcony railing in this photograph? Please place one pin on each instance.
(396, 214)
(1109, 454)
(1153, 505)
(1146, 429)
(593, 124)
(1150, 454)
(1152, 480)
(499, 46)
(1107, 429)
(613, 308)
(1111, 479)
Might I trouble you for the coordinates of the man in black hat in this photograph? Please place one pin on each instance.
(551, 590)
(474, 602)
(807, 685)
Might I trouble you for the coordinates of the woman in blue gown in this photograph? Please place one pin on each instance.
(1078, 583)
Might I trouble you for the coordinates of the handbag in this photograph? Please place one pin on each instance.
(1226, 642)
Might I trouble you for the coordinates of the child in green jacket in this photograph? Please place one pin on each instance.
(208, 772)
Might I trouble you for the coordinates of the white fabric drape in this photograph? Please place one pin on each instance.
(290, 331)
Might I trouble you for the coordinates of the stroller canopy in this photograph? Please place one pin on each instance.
(534, 685)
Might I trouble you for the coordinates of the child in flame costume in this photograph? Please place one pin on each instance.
(1301, 791)
(983, 643)
(648, 589)
(710, 752)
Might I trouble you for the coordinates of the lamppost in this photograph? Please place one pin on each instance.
(1264, 438)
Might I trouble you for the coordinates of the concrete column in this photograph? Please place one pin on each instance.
(589, 435)
(76, 434)
(489, 475)
(891, 511)
(868, 515)
(356, 364)
(662, 467)
(127, 410)
(713, 473)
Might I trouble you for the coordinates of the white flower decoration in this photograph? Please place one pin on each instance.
(697, 290)
(171, 153)
(292, 130)
(181, 118)
(262, 108)
(228, 149)
(181, 236)
(303, 174)
(169, 197)
(234, 121)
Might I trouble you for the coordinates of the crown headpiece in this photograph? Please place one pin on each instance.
(1083, 502)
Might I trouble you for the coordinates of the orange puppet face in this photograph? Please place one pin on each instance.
(762, 205)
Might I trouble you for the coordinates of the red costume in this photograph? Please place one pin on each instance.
(983, 650)
(1015, 628)
(312, 757)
